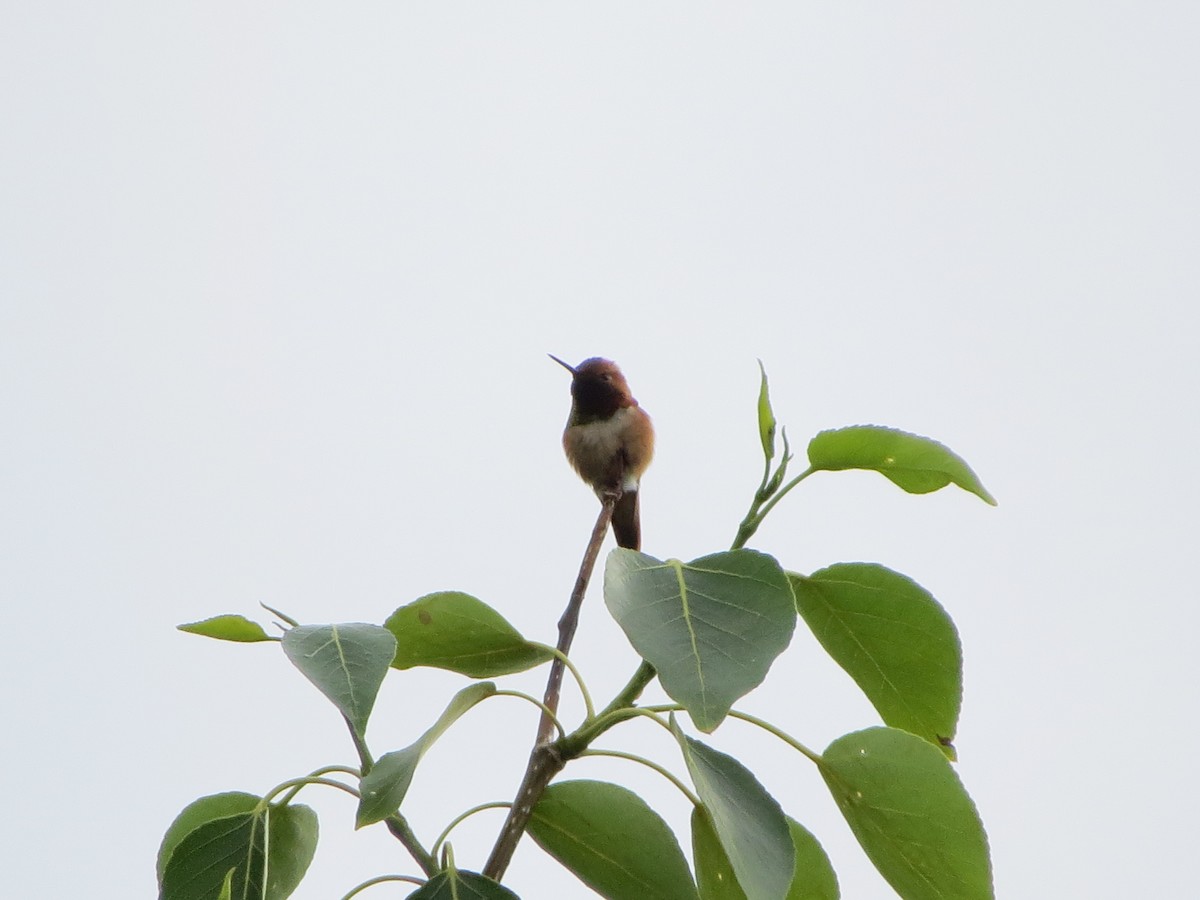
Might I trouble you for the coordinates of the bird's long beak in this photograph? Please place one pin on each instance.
(569, 368)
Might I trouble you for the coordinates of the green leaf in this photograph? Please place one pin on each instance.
(613, 842)
(747, 820)
(455, 631)
(910, 813)
(916, 464)
(456, 885)
(197, 869)
(711, 628)
(228, 628)
(714, 874)
(766, 417)
(199, 866)
(293, 842)
(815, 878)
(347, 663)
(383, 788)
(195, 814)
(893, 639)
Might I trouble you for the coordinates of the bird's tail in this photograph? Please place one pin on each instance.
(627, 528)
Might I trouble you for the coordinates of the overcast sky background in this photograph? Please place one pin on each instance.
(277, 282)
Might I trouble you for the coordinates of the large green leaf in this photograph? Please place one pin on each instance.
(455, 885)
(616, 844)
(910, 813)
(917, 464)
(711, 628)
(347, 663)
(383, 788)
(892, 638)
(814, 878)
(196, 813)
(228, 628)
(751, 828)
(268, 849)
(198, 867)
(455, 631)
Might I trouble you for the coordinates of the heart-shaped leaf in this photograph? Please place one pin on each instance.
(910, 813)
(616, 844)
(455, 631)
(893, 639)
(383, 789)
(267, 849)
(228, 628)
(347, 663)
(748, 822)
(198, 812)
(917, 464)
(711, 628)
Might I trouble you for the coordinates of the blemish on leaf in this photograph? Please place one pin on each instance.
(424, 617)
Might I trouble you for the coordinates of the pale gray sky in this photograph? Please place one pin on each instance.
(276, 288)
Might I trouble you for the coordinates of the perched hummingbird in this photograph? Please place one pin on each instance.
(608, 440)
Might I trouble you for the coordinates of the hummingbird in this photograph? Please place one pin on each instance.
(608, 440)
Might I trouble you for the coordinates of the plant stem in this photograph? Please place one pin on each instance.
(633, 689)
(380, 879)
(650, 764)
(577, 742)
(779, 495)
(365, 760)
(500, 804)
(546, 760)
(538, 703)
(590, 710)
(544, 763)
(748, 524)
(759, 509)
(398, 826)
(296, 783)
(570, 617)
(778, 732)
(325, 770)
